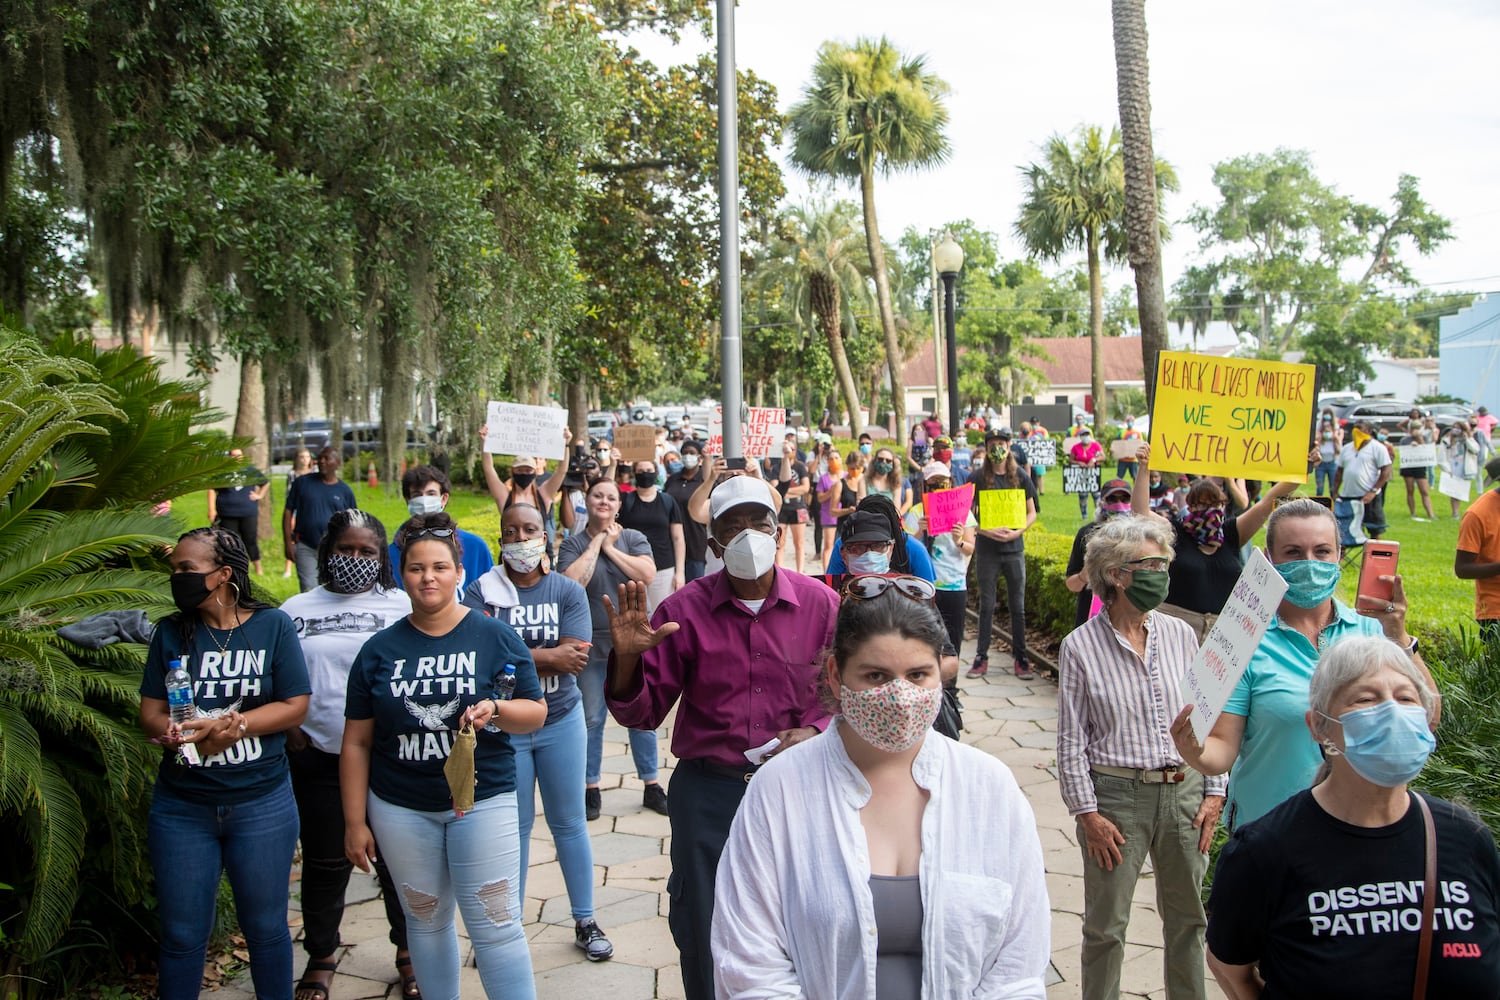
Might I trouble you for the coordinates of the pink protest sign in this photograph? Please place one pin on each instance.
(945, 508)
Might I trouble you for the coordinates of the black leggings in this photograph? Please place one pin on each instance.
(246, 528)
(951, 605)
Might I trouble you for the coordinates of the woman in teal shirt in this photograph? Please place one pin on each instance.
(1261, 731)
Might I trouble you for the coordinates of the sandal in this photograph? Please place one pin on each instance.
(409, 988)
(307, 989)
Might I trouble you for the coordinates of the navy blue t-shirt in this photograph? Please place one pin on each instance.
(313, 502)
(555, 608)
(261, 663)
(416, 687)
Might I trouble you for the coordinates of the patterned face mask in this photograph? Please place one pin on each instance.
(893, 716)
(351, 574)
(1206, 526)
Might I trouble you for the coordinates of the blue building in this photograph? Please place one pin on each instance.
(1469, 353)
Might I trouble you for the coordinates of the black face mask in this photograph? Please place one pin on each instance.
(522, 479)
(189, 590)
(645, 480)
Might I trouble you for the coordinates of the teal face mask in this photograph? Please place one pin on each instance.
(1309, 582)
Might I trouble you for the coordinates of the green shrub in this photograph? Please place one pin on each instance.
(1050, 605)
(1463, 767)
(89, 441)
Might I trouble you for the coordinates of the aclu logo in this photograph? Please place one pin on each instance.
(1461, 949)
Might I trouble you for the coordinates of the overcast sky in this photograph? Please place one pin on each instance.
(1371, 90)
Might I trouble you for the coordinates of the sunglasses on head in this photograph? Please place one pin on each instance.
(865, 588)
(434, 532)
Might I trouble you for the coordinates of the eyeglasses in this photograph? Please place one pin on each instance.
(865, 588)
(434, 532)
(1151, 564)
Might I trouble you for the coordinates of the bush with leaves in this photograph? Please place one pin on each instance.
(1463, 767)
(89, 441)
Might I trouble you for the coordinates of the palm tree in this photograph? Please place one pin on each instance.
(1133, 86)
(869, 108)
(1075, 200)
(820, 267)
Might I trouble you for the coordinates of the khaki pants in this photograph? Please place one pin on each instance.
(1201, 623)
(1157, 821)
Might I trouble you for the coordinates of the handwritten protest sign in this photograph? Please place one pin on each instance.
(1080, 479)
(1417, 456)
(1037, 451)
(1124, 449)
(1450, 485)
(760, 435)
(1232, 417)
(1231, 642)
(636, 442)
(945, 508)
(517, 429)
(1002, 509)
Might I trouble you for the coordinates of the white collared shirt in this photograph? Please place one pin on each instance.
(793, 912)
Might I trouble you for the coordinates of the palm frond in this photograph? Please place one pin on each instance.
(55, 826)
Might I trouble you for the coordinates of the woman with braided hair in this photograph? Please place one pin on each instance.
(223, 800)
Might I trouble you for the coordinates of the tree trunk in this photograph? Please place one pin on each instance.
(885, 430)
(824, 291)
(250, 422)
(1096, 332)
(578, 410)
(1133, 86)
(894, 356)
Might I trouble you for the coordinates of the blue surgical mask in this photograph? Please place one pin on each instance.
(865, 449)
(1386, 744)
(673, 468)
(1309, 582)
(869, 562)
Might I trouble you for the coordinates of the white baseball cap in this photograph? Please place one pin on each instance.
(737, 490)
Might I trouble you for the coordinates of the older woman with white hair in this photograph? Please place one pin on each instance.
(1359, 886)
(1120, 677)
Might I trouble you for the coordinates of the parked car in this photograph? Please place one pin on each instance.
(366, 436)
(310, 434)
(1450, 413)
(602, 424)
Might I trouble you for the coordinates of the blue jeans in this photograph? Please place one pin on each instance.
(1323, 476)
(692, 569)
(441, 862)
(1123, 469)
(596, 712)
(553, 757)
(190, 844)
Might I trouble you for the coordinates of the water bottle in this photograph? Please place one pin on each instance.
(180, 704)
(507, 685)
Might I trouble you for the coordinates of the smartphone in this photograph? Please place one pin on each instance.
(735, 463)
(1379, 560)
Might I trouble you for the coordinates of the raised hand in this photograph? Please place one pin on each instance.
(630, 624)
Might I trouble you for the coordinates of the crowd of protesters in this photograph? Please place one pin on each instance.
(831, 836)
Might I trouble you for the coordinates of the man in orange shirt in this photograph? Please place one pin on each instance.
(1478, 556)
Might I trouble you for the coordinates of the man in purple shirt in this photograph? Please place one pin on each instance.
(740, 647)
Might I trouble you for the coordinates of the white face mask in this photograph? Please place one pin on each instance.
(750, 554)
(523, 557)
(690, 461)
(424, 504)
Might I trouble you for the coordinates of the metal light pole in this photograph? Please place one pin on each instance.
(948, 258)
(730, 359)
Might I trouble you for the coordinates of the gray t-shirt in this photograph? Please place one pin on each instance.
(556, 608)
(607, 575)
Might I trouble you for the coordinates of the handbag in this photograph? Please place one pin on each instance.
(950, 718)
(1429, 902)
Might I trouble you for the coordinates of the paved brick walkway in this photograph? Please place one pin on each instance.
(1011, 719)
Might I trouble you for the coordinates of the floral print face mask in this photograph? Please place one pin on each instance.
(893, 716)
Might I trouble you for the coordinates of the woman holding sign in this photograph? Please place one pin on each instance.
(951, 551)
(524, 484)
(1001, 551)
(1414, 474)
(1261, 731)
(1208, 545)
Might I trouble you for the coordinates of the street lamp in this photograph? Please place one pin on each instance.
(948, 258)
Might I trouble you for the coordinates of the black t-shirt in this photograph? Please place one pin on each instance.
(681, 487)
(1023, 482)
(1075, 564)
(654, 520)
(1332, 911)
(799, 476)
(1200, 582)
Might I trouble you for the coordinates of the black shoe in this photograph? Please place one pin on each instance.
(591, 939)
(654, 799)
(592, 802)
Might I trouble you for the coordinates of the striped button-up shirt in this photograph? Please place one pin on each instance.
(1116, 708)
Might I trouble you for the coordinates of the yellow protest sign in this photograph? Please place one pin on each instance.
(1232, 417)
(1002, 509)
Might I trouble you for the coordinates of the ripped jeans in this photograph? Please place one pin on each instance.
(437, 861)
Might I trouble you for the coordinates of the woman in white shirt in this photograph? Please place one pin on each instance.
(871, 861)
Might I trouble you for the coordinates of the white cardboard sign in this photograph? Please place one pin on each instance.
(1231, 642)
(1417, 456)
(518, 429)
(760, 435)
(1453, 486)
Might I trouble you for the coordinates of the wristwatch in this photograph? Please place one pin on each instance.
(1412, 649)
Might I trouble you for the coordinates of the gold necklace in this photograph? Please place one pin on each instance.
(224, 649)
